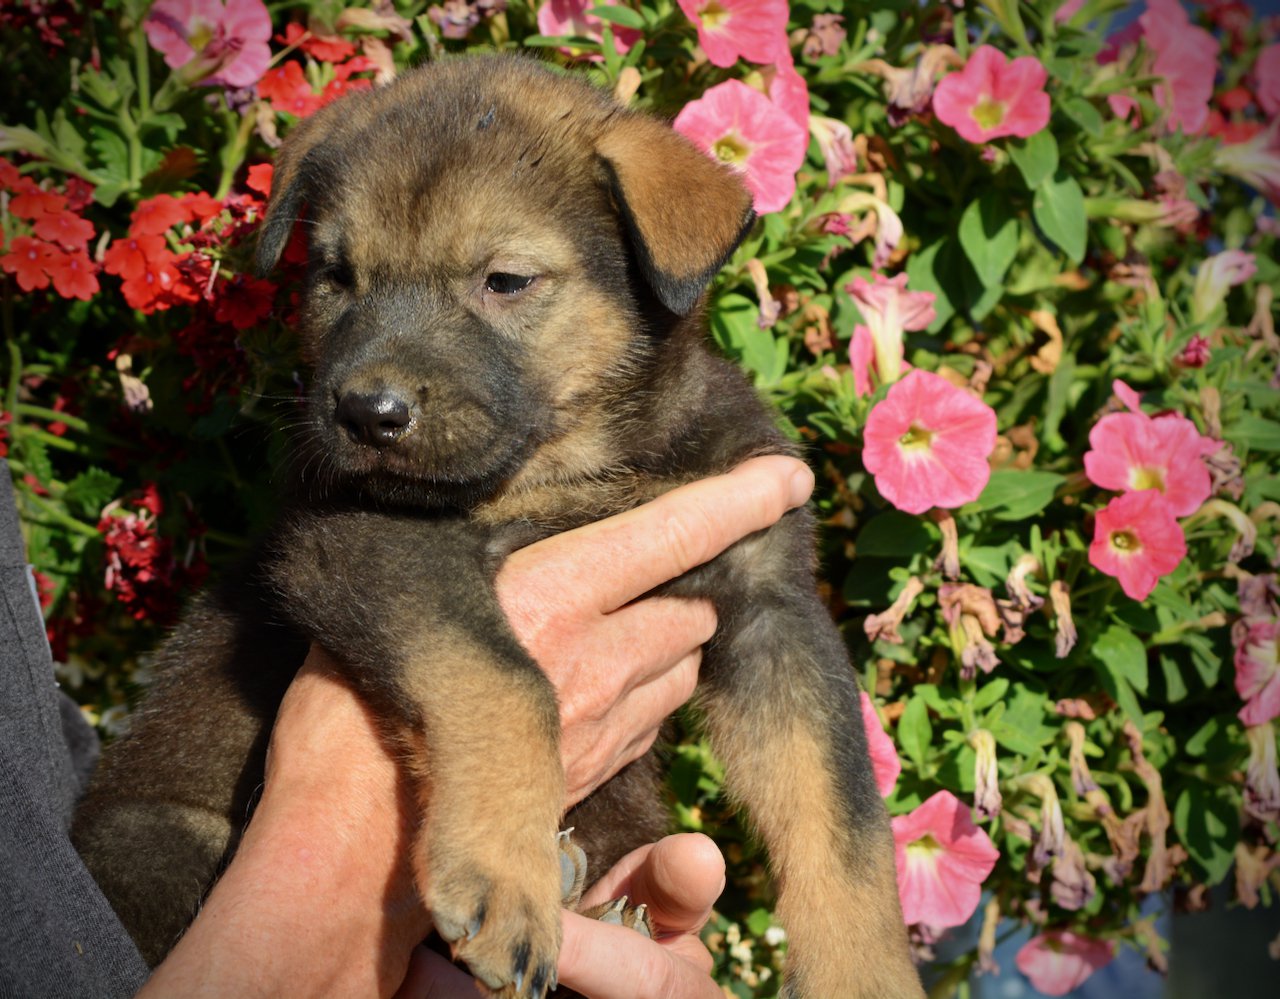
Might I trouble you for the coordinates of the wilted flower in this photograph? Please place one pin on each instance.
(890, 310)
(885, 626)
(910, 91)
(942, 859)
(1137, 539)
(885, 764)
(1021, 602)
(971, 613)
(1256, 162)
(1195, 354)
(1187, 58)
(1073, 886)
(1256, 594)
(1053, 831)
(224, 44)
(1254, 865)
(743, 129)
(1060, 599)
(824, 37)
(948, 562)
(1216, 276)
(927, 443)
(1257, 661)
(1133, 451)
(993, 97)
(986, 774)
(1059, 961)
(1262, 778)
(756, 30)
(835, 139)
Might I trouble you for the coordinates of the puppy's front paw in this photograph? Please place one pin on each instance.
(503, 923)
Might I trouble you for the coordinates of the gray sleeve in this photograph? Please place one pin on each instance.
(58, 935)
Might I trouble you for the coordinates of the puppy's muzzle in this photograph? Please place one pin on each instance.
(377, 419)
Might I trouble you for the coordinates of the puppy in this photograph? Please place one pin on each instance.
(500, 317)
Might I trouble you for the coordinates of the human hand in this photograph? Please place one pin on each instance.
(678, 878)
(621, 667)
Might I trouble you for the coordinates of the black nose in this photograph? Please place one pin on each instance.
(377, 419)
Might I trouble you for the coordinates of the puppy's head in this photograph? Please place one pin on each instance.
(498, 255)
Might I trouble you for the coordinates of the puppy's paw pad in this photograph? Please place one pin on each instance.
(620, 912)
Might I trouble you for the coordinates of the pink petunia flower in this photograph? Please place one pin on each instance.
(1059, 961)
(942, 860)
(570, 17)
(1186, 58)
(1137, 539)
(743, 129)
(788, 90)
(890, 310)
(1133, 451)
(225, 44)
(1266, 74)
(992, 97)
(927, 443)
(884, 757)
(1257, 662)
(756, 30)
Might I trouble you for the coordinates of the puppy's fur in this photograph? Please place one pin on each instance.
(505, 267)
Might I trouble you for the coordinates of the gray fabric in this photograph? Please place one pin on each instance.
(58, 936)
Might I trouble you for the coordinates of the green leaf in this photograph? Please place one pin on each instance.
(1036, 158)
(1123, 655)
(989, 235)
(1016, 494)
(1217, 739)
(914, 731)
(90, 491)
(1058, 207)
(1208, 825)
(894, 534)
(990, 692)
(1084, 114)
(619, 15)
(925, 272)
(1254, 432)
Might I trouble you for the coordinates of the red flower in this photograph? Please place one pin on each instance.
(288, 90)
(10, 177)
(26, 259)
(156, 216)
(65, 228)
(37, 202)
(323, 48)
(259, 178)
(127, 258)
(199, 206)
(244, 301)
(1137, 539)
(73, 274)
(1257, 662)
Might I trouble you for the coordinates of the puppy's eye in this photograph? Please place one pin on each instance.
(339, 275)
(501, 283)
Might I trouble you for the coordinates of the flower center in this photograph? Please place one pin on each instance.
(1126, 542)
(1147, 478)
(731, 150)
(924, 848)
(918, 438)
(200, 35)
(988, 113)
(713, 16)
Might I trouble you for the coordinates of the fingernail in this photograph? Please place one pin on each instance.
(801, 486)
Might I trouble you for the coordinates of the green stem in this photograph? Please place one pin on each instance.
(58, 517)
(142, 72)
(74, 422)
(241, 129)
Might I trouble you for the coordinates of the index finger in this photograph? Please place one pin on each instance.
(623, 557)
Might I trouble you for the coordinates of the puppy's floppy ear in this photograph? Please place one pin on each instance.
(684, 212)
(288, 193)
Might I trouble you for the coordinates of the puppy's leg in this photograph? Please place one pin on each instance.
(781, 707)
(407, 606)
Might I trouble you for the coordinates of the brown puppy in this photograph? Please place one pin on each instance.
(500, 317)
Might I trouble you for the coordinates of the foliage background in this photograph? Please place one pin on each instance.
(142, 428)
